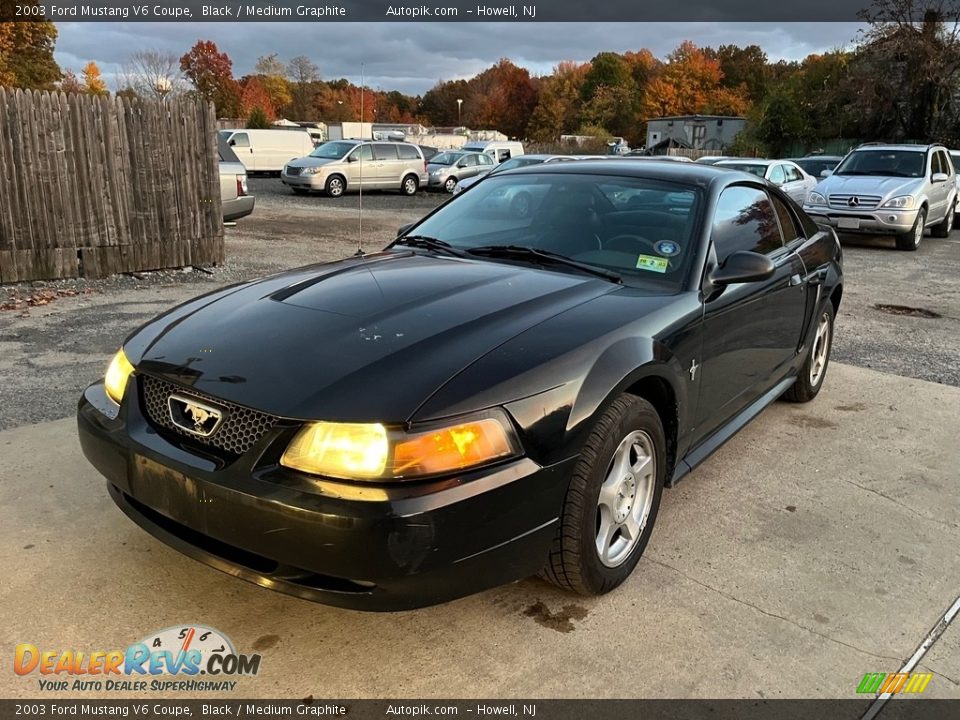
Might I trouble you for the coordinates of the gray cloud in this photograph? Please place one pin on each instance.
(412, 57)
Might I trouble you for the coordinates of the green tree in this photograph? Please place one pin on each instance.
(258, 119)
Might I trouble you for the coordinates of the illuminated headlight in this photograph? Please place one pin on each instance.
(118, 372)
(355, 451)
(903, 202)
(815, 198)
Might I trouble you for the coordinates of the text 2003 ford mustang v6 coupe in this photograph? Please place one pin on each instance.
(501, 392)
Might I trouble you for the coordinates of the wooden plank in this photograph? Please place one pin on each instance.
(8, 267)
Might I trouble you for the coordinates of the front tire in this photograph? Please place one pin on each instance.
(943, 228)
(335, 186)
(410, 185)
(911, 240)
(612, 500)
(814, 369)
(450, 184)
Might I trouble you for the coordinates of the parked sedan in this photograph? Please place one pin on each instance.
(785, 174)
(511, 164)
(235, 200)
(818, 166)
(447, 168)
(492, 396)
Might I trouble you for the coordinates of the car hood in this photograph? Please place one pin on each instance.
(310, 162)
(356, 340)
(868, 185)
(436, 166)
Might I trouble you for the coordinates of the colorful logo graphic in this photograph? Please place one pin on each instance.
(185, 651)
(894, 683)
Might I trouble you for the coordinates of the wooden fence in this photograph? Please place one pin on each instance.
(91, 186)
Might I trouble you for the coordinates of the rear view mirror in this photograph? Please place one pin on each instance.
(742, 267)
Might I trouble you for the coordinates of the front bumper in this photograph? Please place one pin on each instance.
(310, 182)
(869, 222)
(367, 547)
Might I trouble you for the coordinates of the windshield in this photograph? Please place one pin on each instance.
(333, 150)
(752, 168)
(884, 163)
(640, 229)
(815, 166)
(445, 158)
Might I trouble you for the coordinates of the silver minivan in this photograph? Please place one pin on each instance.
(339, 166)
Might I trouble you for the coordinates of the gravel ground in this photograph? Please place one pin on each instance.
(58, 336)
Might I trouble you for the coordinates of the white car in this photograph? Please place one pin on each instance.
(787, 175)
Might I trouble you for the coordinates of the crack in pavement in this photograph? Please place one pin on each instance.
(773, 615)
(905, 507)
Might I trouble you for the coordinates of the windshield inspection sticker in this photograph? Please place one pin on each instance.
(667, 248)
(648, 262)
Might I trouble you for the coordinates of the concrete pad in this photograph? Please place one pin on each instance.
(818, 545)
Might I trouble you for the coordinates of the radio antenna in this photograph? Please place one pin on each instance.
(359, 252)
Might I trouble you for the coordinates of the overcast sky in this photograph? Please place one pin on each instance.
(412, 57)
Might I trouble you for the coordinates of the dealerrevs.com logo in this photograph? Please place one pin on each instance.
(191, 658)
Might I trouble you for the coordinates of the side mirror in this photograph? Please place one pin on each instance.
(826, 173)
(404, 229)
(743, 267)
(351, 158)
(939, 177)
(232, 142)
(461, 164)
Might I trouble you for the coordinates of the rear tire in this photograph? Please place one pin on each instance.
(612, 500)
(410, 185)
(335, 186)
(814, 369)
(942, 229)
(911, 240)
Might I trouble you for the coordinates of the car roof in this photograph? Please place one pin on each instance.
(749, 161)
(894, 146)
(686, 173)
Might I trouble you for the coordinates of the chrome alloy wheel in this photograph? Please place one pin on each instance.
(821, 346)
(918, 232)
(626, 498)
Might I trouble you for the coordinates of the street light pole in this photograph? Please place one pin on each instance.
(459, 107)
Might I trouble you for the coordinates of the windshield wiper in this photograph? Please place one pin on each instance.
(429, 243)
(522, 252)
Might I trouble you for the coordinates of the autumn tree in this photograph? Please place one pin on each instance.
(439, 103)
(69, 83)
(609, 95)
(26, 52)
(558, 107)
(690, 84)
(211, 73)
(93, 83)
(501, 97)
(743, 69)
(272, 73)
(303, 74)
(254, 95)
(257, 119)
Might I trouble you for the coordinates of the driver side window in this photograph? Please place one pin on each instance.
(744, 220)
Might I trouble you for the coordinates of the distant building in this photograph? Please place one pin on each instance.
(695, 132)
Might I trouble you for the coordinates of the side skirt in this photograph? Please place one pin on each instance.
(735, 425)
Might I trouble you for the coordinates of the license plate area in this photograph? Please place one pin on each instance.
(848, 223)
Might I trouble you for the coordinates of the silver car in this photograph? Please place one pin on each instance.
(785, 174)
(235, 199)
(447, 168)
(894, 190)
(339, 166)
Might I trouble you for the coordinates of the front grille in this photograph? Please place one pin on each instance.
(240, 430)
(866, 202)
(293, 171)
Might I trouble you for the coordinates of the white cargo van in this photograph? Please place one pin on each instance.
(498, 150)
(268, 150)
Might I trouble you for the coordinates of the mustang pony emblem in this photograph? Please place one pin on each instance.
(193, 416)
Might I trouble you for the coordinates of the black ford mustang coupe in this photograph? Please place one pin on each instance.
(505, 390)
